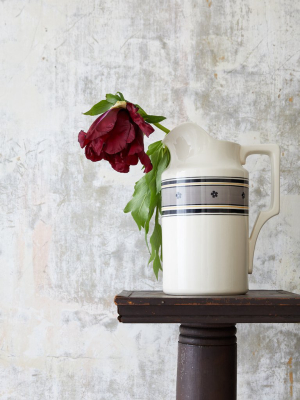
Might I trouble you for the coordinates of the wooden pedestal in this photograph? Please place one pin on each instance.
(207, 363)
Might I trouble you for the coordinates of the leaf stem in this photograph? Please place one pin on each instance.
(161, 127)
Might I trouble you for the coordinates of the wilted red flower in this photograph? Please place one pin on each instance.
(118, 137)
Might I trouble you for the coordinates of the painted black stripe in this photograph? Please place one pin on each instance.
(207, 177)
(208, 204)
(193, 180)
(204, 211)
(190, 215)
(162, 186)
(174, 182)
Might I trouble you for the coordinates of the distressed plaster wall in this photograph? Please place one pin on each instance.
(67, 248)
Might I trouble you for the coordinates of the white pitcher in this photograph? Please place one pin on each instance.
(205, 213)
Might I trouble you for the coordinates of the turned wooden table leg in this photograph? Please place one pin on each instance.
(207, 362)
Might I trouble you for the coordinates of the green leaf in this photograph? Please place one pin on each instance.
(156, 265)
(99, 108)
(156, 243)
(112, 98)
(146, 239)
(151, 181)
(139, 204)
(141, 111)
(121, 96)
(153, 119)
(155, 157)
(152, 256)
(152, 148)
(163, 163)
(140, 215)
(146, 201)
(155, 239)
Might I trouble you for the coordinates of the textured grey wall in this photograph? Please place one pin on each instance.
(66, 247)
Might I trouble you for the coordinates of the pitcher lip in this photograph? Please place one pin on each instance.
(198, 126)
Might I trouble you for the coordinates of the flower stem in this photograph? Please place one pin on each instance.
(161, 127)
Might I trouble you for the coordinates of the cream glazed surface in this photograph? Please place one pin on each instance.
(205, 213)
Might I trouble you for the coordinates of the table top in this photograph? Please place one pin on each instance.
(256, 306)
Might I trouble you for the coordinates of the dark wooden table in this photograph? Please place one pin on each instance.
(207, 350)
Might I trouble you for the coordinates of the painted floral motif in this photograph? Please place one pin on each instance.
(178, 195)
(214, 194)
(243, 195)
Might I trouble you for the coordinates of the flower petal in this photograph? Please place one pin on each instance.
(118, 163)
(97, 145)
(103, 124)
(138, 144)
(132, 160)
(117, 138)
(145, 160)
(91, 155)
(131, 135)
(82, 139)
(146, 128)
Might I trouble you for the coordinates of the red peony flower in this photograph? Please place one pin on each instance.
(118, 137)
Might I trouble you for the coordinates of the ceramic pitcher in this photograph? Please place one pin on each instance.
(205, 213)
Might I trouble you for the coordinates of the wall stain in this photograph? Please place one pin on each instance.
(67, 248)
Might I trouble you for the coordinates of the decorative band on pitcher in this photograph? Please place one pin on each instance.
(205, 195)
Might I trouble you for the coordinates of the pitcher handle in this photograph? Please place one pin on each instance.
(273, 151)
